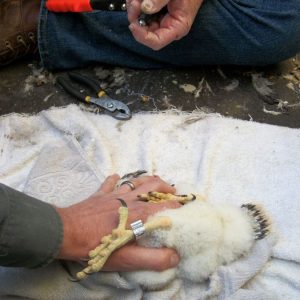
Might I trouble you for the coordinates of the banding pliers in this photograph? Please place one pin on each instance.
(115, 108)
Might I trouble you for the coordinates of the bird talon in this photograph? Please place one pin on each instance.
(123, 203)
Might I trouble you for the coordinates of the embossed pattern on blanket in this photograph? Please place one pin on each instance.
(227, 161)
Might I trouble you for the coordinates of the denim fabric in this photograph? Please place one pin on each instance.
(241, 32)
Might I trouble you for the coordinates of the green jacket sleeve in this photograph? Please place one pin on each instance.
(31, 231)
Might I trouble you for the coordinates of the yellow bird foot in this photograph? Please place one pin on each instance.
(119, 237)
(156, 197)
(109, 243)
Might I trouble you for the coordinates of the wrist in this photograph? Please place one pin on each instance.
(67, 245)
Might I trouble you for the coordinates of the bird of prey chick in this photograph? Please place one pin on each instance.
(205, 235)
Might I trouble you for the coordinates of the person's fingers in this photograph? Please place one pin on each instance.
(156, 207)
(133, 257)
(142, 211)
(106, 199)
(109, 184)
(135, 7)
(172, 26)
(133, 184)
(146, 37)
(153, 26)
(155, 184)
(162, 36)
(153, 6)
(133, 10)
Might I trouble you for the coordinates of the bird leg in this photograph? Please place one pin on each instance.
(156, 197)
(119, 237)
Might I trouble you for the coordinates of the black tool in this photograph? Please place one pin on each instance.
(147, 19)
(118, 5)
(115, 108)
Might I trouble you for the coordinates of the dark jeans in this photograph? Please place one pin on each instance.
(241, 32)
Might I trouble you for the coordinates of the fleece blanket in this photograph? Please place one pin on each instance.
(62, 155)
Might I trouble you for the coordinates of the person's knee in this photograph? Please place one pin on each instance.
(269, 34)
(276, 45)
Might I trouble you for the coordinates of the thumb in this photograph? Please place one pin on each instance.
(153, 6)
(133, 257)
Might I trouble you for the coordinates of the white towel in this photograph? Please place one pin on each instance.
(62, 155)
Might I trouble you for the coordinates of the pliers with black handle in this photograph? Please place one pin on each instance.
(115, 108)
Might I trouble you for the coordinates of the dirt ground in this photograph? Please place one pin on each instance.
(266, 94)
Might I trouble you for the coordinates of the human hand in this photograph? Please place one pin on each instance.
(86, 222)
(173, 26)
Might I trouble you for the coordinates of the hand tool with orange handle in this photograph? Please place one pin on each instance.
(78, 6)
(85, 5)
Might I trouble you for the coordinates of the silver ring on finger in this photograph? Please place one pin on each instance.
(129, 183)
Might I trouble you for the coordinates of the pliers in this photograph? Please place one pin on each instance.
(115, 108)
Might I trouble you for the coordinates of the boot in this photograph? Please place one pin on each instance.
(18, 29)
